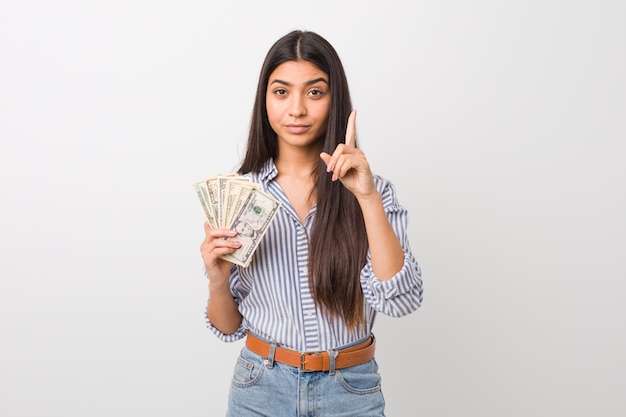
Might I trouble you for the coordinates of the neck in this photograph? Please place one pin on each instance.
(299, 164)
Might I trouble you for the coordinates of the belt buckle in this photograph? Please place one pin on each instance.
(303, 355)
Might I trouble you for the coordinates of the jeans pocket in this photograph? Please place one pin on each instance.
(248, 371)
(360, 379)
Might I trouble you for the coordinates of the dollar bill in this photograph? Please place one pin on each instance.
(233, 201)
(213, 190)
(236, 193)
(203, 196)
(251, 223)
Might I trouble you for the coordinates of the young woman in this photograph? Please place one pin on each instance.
(336, 253)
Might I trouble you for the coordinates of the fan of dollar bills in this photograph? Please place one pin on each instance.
(233, 202)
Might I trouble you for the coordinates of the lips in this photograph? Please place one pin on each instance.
(294, 128)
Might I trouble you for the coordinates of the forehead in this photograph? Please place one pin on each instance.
(297, 72)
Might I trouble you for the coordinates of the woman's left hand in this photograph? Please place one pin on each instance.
(349, 165)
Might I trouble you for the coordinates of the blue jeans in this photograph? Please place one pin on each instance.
(262, 387)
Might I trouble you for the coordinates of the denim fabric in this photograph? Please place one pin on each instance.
(261, 387)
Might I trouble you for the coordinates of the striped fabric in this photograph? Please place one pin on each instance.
(273, 292)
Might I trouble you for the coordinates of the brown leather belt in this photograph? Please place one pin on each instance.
(315, 361)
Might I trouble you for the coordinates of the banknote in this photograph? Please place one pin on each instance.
(251, 223)
(232, 201)
(211, 197)
(235, 195)
(203, 196)
(214, 203)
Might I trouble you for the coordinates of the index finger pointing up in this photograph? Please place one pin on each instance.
(350, 136)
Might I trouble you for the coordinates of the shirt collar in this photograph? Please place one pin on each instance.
(268, 172)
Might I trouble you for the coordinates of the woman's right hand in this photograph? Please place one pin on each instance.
(214, 246)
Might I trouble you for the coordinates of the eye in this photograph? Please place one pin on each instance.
(316, 92)
(280, 92)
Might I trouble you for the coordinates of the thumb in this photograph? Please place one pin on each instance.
(325, 157)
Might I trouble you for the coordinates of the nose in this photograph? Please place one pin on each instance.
(297, 106)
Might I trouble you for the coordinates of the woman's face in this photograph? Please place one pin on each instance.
(298, 102)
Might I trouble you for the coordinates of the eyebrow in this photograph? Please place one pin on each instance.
(311, 82)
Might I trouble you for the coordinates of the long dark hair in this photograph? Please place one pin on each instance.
(338, 244)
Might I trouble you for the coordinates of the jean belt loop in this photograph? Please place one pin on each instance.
(270, 355)
(332, 355)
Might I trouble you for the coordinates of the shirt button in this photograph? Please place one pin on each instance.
(309, 313)
(304, 271)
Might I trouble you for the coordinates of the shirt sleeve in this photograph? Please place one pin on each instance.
(402, 294)
(240, 332)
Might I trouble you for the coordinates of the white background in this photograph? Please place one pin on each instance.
(502, 125)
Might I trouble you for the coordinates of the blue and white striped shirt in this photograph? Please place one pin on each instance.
(273, 291)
